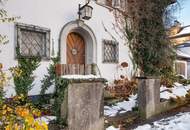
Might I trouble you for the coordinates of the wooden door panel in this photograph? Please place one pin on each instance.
(75, 49)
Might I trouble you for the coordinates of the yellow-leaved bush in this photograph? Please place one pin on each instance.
(18, 113)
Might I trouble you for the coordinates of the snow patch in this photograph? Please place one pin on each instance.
(178, 122)
(177, 90)
(120, 107)
(112, 128)
(80, 76)
(144, 127)
(46, 119)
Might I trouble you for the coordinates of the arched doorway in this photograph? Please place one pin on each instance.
(75, 49)
(79, 30)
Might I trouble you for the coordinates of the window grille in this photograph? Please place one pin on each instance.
(33, 41)
(110, 51)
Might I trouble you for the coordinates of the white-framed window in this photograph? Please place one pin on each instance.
(33, 40)
(181, 68)
(110, 51)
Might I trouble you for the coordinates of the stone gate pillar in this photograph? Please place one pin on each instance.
(84, 105)
(148, 96)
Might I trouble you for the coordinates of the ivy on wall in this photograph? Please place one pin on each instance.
(60, 90)
(5, 18)
(23, 73)
(151, 49)
(59, 96)
(49, 78)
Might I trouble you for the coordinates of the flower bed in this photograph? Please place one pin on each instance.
(18, 113)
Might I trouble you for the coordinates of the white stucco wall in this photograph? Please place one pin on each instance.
(54, 14)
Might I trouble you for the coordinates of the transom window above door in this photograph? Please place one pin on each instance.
(33, 41)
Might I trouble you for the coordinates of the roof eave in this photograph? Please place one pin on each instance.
(181, 35)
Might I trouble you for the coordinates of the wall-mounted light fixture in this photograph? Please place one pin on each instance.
(85, 11)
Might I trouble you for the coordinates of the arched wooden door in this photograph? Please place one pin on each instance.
(75, 49)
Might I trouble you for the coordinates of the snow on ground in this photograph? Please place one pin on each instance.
(80, 76)
(46, 119)
(120, 107)
(165, 93)
(112, 128)
(177, 90)
(178, 122)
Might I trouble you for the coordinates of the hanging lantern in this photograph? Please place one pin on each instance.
(85, 12)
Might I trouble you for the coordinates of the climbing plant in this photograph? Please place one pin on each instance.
(60, 88)
(49, 78)
(5, 18)
(151, 49)
(26, 66)
(59, 95)
(3, 81)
